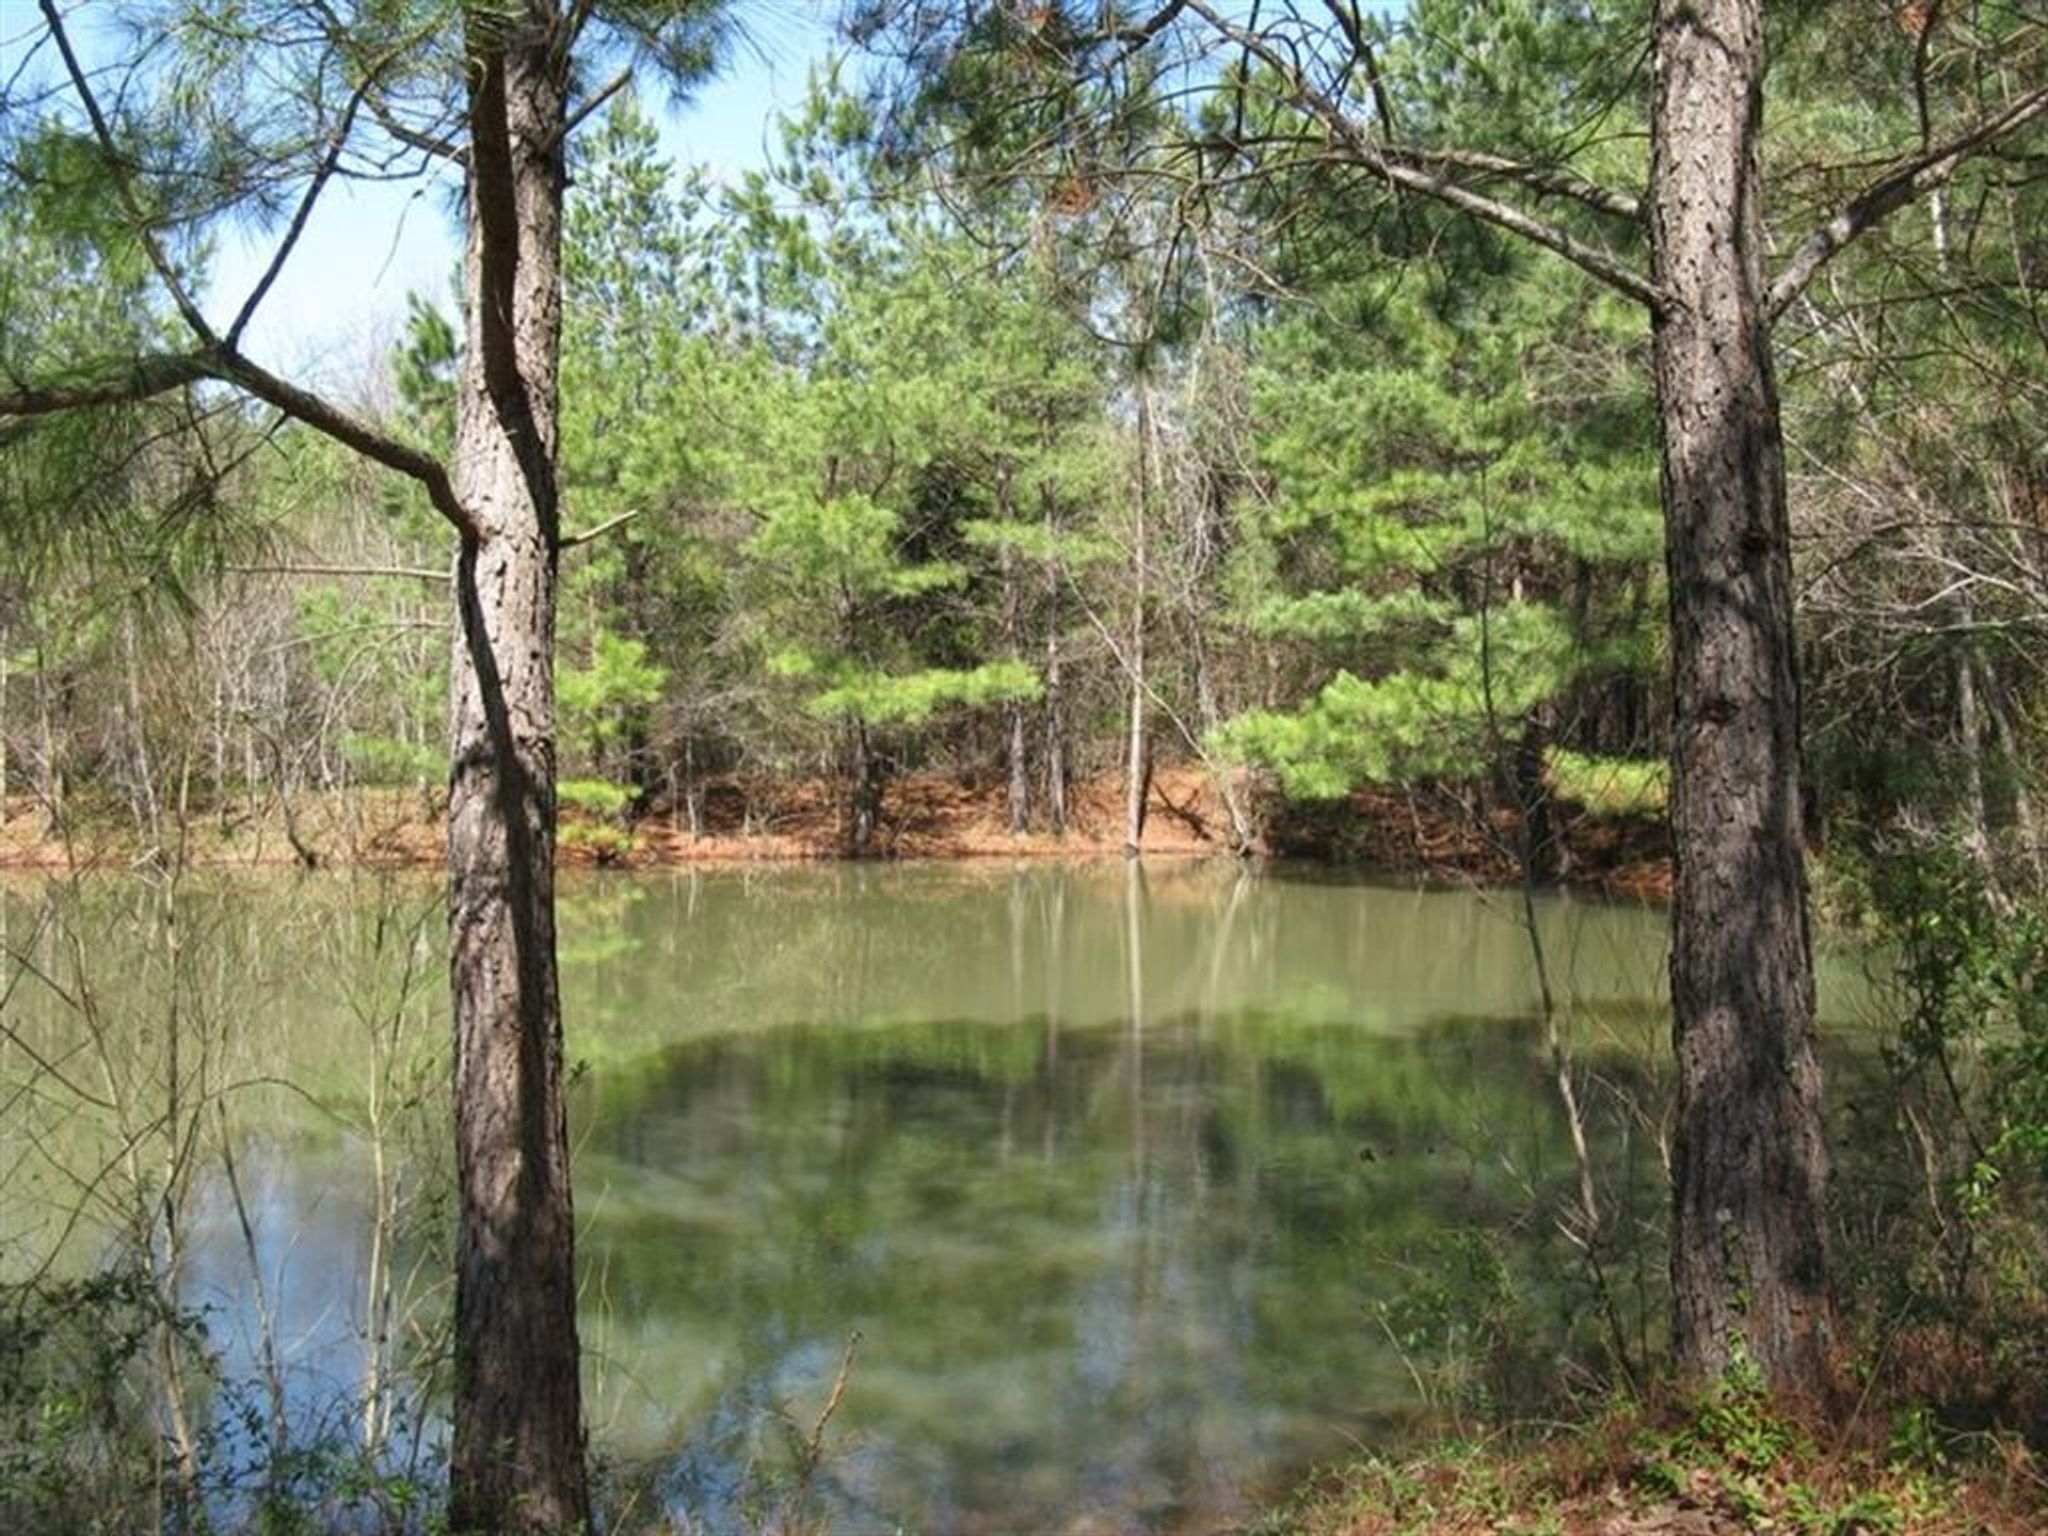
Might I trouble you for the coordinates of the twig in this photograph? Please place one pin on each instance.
(813, 1448)
(411, 572)
(571, 540)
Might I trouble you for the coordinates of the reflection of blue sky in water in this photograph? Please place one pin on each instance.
(1111, 1172)
(310, 1222)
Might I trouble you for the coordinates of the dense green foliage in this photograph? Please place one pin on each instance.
(1084, 407)
(874, 483)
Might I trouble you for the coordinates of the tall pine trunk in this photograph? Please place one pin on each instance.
(1749, 1253)
(517, 1458)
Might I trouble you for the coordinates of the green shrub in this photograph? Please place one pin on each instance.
(1609, 786)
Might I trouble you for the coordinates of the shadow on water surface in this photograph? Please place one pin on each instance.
(1100, 1275)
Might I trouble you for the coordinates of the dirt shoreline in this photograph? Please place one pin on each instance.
(927, 817)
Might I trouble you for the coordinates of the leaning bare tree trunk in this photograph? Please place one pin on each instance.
(148, 815)
(1977, 831)
(1210, 715)
(1749, 1255)
(2022, 797)
(517, 1457)
(1017, 751)
(865, 807)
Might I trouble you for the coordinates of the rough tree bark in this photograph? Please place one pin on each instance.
(1749, 1248)
(517, 1453)
(517, 1458)
(1749, 1254)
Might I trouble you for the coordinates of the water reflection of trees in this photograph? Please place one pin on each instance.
(1126, 1174)
(167, 1284)
(1175, 1288)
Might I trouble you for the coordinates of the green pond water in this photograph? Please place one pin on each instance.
(1144, 1188)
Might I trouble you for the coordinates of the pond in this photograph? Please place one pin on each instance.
(1143, 1188)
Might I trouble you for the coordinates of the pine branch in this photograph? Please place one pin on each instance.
(1410, 170)
(125, 383)
(215, 357)
(146, 377)
(1888, 193)
(581, 114)
(1544, 179)
(412, 138)
(124, 187)
(304, 212)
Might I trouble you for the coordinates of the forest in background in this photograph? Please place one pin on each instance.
(1033, 462)
(1033, 427)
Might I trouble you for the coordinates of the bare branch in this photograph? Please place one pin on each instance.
(1548, 180)
(570, 541)
(1405, 169)
(425, 143)
(577, 118)
(579, 18)
(406, 572)
(124, 383)
(1346, 14)
(229, 366)
(1907, 180)
(304, 211)
(1134, 37)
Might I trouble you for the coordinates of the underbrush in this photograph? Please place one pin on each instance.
(1731, 1463)
(92, 1374)
(1940, 1236)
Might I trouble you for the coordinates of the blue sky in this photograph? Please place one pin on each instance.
(338, 306)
